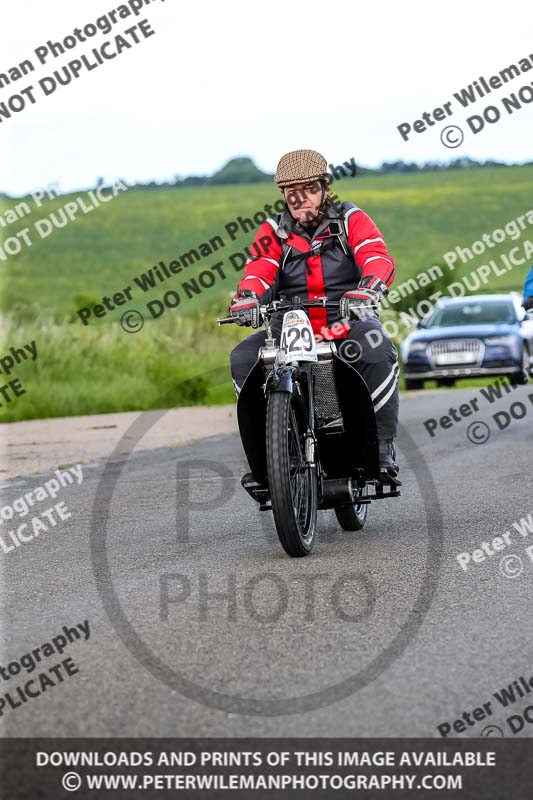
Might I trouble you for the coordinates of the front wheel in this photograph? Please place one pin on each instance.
(292, 482)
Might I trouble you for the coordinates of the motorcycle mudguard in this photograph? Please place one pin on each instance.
(343, 454)
(251, 417)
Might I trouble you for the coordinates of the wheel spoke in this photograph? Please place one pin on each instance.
(297, 498)
(293, 427)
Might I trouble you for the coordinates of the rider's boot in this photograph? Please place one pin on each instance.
(387, 458)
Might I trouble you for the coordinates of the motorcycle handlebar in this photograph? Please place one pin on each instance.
(278, 305)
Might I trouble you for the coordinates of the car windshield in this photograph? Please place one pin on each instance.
(482, 313)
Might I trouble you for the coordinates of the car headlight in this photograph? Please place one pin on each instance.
(506, 341)
(414, 346)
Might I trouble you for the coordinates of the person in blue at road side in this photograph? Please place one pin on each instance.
(528, 291)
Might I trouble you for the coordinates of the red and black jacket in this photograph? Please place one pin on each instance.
(285, 261)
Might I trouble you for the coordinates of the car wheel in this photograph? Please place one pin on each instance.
(525, 363)
(446, 382)
(522, 377)
(412, 384)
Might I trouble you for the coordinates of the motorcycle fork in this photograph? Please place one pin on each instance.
(306, 401)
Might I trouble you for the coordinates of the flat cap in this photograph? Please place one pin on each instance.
(300, 166)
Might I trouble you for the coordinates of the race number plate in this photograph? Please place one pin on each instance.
(297, 338)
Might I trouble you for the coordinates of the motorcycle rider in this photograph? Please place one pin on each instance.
(528, 291)
(318, 248)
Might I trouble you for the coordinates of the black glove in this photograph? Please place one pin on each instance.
(528, 303)
(245, 308)
(363, 301)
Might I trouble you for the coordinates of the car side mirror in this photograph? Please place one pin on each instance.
(420, 324)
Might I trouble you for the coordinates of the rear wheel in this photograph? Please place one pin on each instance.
(353, 518)
(292, 483)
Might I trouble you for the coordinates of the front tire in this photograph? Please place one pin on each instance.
(292, 483)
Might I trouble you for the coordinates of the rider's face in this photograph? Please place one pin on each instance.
(303, 200)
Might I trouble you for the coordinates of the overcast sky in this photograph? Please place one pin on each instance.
(221, 79)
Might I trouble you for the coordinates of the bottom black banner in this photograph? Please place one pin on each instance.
(261, 768)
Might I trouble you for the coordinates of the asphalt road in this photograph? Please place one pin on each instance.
(201, 626)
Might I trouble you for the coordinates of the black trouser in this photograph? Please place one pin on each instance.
(367, 347)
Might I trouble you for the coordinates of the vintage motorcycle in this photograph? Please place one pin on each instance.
(308, 429)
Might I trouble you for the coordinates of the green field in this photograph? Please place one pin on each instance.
(100, 368)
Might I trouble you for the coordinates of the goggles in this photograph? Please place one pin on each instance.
(294, 197)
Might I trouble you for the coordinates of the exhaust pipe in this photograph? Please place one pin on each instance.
(339, 492)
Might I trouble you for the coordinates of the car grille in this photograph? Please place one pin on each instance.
(473, 349)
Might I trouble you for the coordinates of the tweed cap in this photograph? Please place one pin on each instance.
(300, 166)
